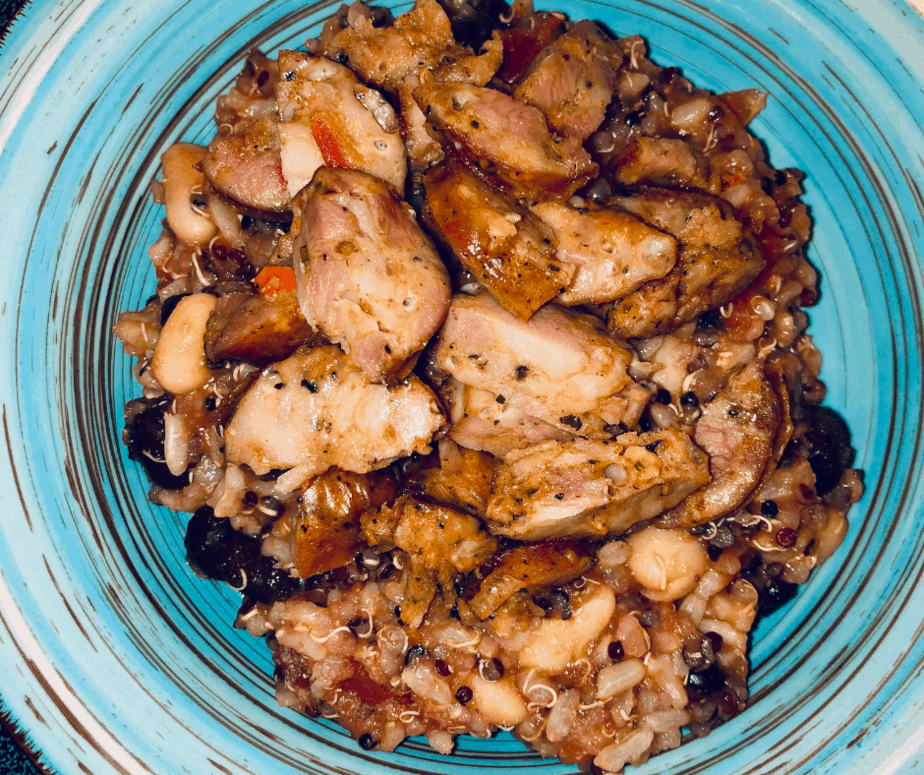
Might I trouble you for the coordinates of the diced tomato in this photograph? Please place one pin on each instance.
(328, 143)
(273, 280)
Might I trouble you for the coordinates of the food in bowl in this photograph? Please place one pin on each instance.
(478, 357)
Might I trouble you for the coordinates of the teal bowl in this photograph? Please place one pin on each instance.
(114, 658)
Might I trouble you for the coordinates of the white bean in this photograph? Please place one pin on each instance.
(179, 361)
(180, 178)
(498, 702)
(558, 642)
(668, 563)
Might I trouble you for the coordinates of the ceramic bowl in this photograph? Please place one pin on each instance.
(114, 658)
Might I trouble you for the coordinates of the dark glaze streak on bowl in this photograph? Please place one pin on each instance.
(67, 605)
(10, 453)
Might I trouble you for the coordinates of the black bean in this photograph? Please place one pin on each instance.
(830, 453)
(663, 396)
(205, 538)
(414, 654)
(634, 118)
(166, 309)
(250, 498)
(689, 400)
(615, 651)
(714, 552)
(144, 437)
(367, 742)
(222, 553)
(710, 321)
(598, 191)
(774, 596)
(769, 508)
(464, 695)
(706, 682)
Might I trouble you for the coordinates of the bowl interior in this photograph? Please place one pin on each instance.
(121, 660)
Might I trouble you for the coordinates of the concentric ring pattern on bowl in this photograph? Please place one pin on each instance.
(116, 659)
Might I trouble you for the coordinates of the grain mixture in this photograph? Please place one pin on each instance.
(478, 357)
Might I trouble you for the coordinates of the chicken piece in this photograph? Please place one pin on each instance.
(615, 253)
(245, 164)
(326, 533)
(367, 275)
(383, 56)
(479, 422)
(509, 250)
(257, 328)
(662, 161)
(572, 80)
(561, 367)
(329, 118)
(592, 489)
(422, 143)
(316, 410)
(508, 140)
(424, 149)
(465, 66)
(440, 542)
(462, 479)
(529, 566)
(737, 430)
(718, 259)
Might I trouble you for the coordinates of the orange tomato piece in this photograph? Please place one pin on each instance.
(273, 280)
